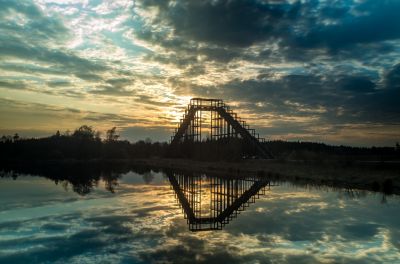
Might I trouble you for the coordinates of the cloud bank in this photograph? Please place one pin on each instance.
(301, 70)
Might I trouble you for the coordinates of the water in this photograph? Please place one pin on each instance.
(147, 216)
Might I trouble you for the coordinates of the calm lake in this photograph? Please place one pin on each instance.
(147, 216)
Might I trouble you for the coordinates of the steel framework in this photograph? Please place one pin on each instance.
(209, 203)
(224, 123)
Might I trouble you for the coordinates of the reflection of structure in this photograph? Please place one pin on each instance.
(224, 124)
(209, 203)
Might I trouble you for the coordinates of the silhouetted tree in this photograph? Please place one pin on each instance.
(148, 177)
(84, 132)
(111, 135)
(97, 136)
(16, 137)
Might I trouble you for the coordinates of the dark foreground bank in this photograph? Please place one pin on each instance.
(373, 176)
(375, 169)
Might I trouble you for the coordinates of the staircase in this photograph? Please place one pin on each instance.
(226, 125)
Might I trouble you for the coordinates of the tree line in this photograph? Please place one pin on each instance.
(85, 143)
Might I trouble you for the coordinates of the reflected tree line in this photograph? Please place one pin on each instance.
(86, 143)
(208, 202)
(82, 178)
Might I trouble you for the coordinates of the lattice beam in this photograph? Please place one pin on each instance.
(224, 123)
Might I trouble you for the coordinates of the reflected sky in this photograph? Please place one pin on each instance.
(142, 222)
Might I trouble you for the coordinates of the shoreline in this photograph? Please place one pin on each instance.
(372, 176)
(377, 177)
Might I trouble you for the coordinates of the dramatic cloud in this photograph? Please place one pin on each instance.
(368, 22)
(304, 70)
(227, 23)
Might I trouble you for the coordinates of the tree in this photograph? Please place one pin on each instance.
(16, 137)
(85, 132)
(397, 146)
(111, 135)
(97, 135)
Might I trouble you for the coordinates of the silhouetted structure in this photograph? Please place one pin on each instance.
(224, 124)
(209, 203)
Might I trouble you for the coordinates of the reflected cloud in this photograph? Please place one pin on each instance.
(142, 222)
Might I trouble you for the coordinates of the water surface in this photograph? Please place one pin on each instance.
(147, 216)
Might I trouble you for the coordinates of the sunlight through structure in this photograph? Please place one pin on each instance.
(224, 124)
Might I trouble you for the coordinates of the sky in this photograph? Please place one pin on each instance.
(322, 71)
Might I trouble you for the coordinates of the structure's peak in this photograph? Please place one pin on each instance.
(205, 99)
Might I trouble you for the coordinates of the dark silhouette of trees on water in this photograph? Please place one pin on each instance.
(304, 151)
(80, 177)
(85, 143)
(82, 159)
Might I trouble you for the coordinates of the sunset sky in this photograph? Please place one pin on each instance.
(325, 71)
